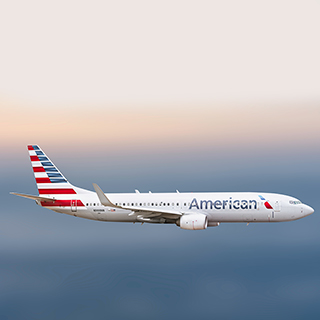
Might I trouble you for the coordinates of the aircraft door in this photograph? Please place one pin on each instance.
(73, 205)
(277, 206)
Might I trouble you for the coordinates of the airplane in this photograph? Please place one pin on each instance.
(190, 211)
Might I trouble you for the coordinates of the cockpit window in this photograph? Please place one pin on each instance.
(294, 202)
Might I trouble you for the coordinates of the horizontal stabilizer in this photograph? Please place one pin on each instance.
(28, 196)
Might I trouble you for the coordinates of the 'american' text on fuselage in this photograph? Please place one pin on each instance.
(223, 204)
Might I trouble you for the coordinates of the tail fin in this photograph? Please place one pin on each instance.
(49, 179)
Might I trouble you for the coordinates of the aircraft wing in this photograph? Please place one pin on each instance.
(145, 214)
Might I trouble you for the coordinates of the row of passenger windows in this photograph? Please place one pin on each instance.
(140, 204)
(150, 204)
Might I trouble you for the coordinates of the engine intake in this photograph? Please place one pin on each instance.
(194, 221)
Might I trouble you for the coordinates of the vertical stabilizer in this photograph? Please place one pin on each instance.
(48, 178)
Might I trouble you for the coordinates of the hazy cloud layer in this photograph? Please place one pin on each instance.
(188, 95)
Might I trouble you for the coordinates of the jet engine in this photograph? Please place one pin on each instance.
(193, 221)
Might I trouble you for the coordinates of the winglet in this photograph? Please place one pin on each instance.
(102, 197)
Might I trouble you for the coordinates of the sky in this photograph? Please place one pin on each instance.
(160, 95)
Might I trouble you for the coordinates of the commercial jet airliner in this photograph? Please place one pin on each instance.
(192, 211)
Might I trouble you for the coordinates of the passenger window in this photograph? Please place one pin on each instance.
(140, 204)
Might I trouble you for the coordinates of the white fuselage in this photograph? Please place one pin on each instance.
(218, 207)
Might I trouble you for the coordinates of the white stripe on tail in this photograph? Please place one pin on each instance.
(49, 180)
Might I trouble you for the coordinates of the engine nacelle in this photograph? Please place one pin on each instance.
(194, 221)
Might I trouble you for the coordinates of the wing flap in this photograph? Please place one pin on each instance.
(149, 211)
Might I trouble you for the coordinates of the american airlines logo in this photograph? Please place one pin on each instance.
(266, 203)
(223, 204)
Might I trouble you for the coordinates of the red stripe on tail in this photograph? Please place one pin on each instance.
(38, 169)
(34, 158)
(57, 191)
(43, 180)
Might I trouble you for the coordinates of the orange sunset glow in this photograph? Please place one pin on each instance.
(160, 126)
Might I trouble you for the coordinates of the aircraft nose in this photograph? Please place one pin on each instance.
(307, 210)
